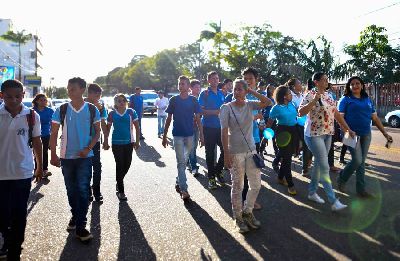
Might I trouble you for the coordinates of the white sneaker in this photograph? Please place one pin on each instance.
(314, 197)
(338, 206)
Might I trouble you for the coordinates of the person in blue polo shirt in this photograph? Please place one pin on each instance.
(358, 110)
(211, 101)
(76, 152)
(136, 103)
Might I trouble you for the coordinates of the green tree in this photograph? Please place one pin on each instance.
(19, 38)
(372, 58)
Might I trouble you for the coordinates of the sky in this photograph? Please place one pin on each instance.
(89, 38)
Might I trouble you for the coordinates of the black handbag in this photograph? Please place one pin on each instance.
(258, 161)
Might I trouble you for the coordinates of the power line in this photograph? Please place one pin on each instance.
(15, 62)
(380, 9)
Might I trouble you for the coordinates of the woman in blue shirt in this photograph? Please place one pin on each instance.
(358, 111)
(123, 119)
(285, 114)
(45, 113)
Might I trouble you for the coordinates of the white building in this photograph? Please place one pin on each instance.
(9, 56)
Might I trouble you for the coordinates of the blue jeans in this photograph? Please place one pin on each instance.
(357, 163)
(77, 174)
(320, 146)
(161, 123)
(183, 146)
(14, 196)
(192, 155)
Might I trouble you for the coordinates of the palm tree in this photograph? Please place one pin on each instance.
(19, 38)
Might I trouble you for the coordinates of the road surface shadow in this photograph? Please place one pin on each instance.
(35, 195)
(132, 242)
(148, 153)
(226, 246)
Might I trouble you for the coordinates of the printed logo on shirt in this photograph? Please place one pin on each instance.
(21, 131)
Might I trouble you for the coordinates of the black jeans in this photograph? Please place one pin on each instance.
(123, 160)
(14, 196)
(287, 146)
(343, 152)
(45, 153)
(212, 137)
(331, 155)
(307, 155)
(96, 166)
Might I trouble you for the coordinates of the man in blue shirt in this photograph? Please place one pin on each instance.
(210, 101)
(184, 108)
(76, 152)
(94, 95)
(136, 103)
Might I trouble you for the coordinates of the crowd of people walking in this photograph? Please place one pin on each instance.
(228, 118)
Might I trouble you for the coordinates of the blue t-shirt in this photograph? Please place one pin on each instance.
(357, 113)
(210, 100)
(45, 120)
(284, 114)
(256, 130)
(183, 111)
(228, 98)
(76, 132)
(137, 101)
(123, 126)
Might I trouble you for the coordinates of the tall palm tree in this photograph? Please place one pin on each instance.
(19, 38)
(215, 35)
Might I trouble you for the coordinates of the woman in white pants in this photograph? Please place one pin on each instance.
(237, 140)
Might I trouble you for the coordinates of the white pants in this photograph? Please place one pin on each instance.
(243, 163)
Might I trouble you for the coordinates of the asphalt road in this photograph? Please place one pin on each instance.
(155, 223)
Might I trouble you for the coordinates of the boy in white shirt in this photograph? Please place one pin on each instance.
(19, 133)
(161, 105)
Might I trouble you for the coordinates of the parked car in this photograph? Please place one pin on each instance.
(55, 103)
(27, 102)
(393, 118)
(149, 98)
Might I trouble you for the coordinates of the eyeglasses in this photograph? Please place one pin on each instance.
(121, 101)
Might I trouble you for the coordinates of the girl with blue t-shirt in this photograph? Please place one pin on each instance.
(358, 111)
(45, 113)
(285, 114)
(123, 119)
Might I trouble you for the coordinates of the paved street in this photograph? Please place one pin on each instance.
(155, 224)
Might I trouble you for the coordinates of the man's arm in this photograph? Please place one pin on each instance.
(38, 151)
(54, 160)
(167, 123)
(200, 127)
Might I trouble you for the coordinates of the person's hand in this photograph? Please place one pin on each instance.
(83, 153)
(55, 161)
(201, 141)
(258, 116)
(352, 133)
(105, 145)
(227, 160)
(317, 96)
(136, 145)
(388, 137)
(38, 174)
(164, 141)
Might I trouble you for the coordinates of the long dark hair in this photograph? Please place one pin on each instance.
(37, 97)
(347, 90)
(279, 94)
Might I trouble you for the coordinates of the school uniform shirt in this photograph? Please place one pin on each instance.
(256, 130)
(45, 120)
(76, 131)
(122, 126)
(15, 154)
(161, 105)
(183, 111)
(357, 113)
(320, 120)
(137, 101)
(211, 101)
(285, 115)
(296, 99)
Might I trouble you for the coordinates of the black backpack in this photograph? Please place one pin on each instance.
(92, 110)
(30, 118)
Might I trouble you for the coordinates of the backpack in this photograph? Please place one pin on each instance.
(30, 118)
(92, 110)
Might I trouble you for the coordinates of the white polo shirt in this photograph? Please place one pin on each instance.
(15, 155)
(296, 99)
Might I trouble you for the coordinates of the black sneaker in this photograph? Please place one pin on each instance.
(83, 234)
(71, 225)
(177, 188)
(212, 184)
(220, 177)
(195, 173)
